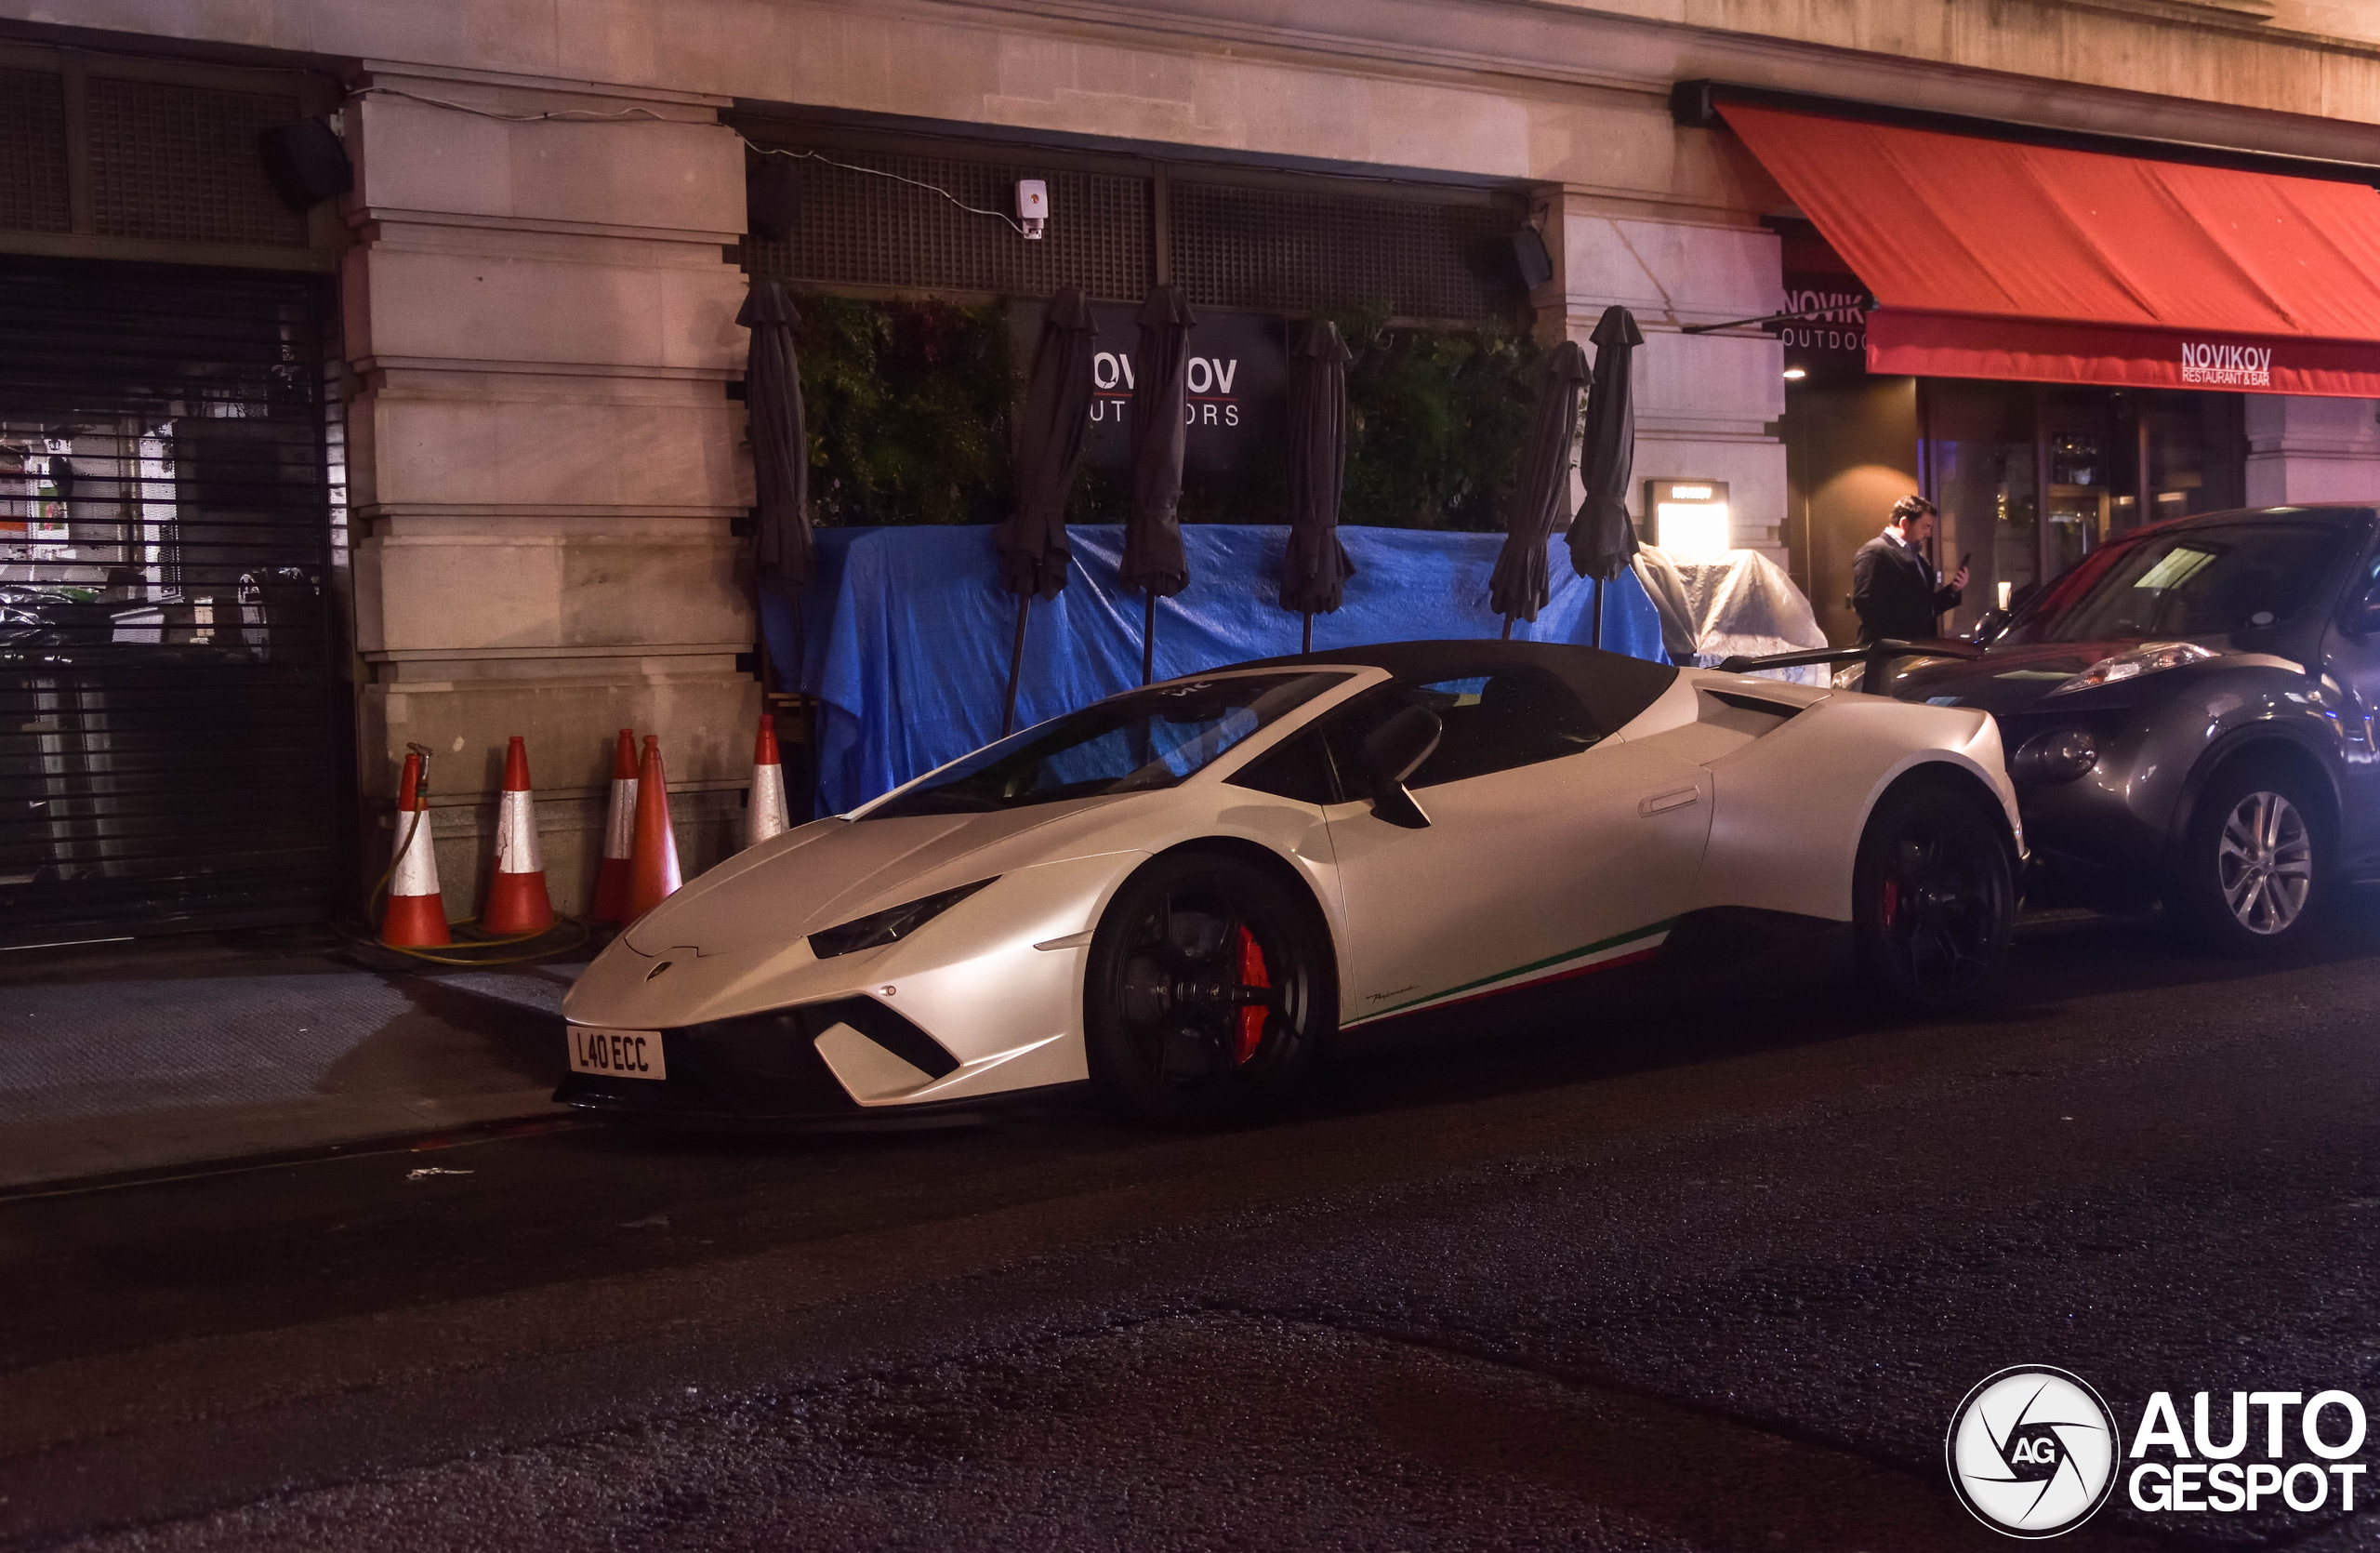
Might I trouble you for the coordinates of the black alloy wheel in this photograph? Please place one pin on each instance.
(2251, 878)
(1210, 992)
(1933, 899)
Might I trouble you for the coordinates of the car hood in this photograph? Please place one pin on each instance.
(2006, 679)
(831, 871)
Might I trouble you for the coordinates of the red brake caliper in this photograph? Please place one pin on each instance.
(1891, 900)
(1251, 1016)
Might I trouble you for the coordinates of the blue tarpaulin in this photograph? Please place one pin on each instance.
(906, 632)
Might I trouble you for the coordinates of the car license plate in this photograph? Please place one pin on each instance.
(617, 1053)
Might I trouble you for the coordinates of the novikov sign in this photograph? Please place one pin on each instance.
(2046, 351)
(2226, 365)
(1238, 383)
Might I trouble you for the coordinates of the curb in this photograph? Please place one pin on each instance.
(413, 1142)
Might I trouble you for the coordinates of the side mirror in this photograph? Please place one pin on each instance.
(2362, 616)
(1988, 628)
(1393, 751)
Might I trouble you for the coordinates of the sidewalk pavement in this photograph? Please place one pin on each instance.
(166, 1053)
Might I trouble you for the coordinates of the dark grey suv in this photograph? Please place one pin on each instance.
(2193, 714)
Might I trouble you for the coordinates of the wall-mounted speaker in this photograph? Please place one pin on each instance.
(1530, 258)
(772, 197)
(307, 163)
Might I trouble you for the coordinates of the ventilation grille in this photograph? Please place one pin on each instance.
(32, 174)
(859, 229)
(1268, 248)
(180, 162)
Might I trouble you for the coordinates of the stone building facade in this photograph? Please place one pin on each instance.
(545, 467)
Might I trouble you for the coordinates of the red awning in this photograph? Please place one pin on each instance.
(1995, 260)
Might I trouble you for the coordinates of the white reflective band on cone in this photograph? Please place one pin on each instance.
(619, 835)
(416, 871)
(766, 817)
(516, 836)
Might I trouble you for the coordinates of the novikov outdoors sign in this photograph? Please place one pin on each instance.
(1830, 338)
(2043, 350)
(1239, 381)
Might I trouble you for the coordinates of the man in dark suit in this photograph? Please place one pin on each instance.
(1894, 586)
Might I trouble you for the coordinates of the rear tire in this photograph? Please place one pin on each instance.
(1211, 993)
(2253, 875)
(1934, 901)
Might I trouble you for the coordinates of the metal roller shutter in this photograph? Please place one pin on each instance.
(167, 701)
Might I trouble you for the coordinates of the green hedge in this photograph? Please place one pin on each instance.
(910, 407)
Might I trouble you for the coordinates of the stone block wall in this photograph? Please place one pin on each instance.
(544, 463)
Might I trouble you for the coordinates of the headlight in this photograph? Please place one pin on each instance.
(2060, 755)
(2149, 658)
(889, 925)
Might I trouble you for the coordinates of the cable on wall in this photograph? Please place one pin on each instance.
(590, 115)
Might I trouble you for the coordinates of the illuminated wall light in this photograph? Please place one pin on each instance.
(1691, 517)
(1795, 374)
(2006, 589)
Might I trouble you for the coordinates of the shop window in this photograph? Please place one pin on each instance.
(2032, 478)
(909, 395)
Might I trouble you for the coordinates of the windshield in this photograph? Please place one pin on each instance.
(1129, 743)
(2209, 581)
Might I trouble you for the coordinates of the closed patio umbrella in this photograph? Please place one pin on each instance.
(1315, 571)
(1519, 587)
(1032, 542)
(783, 550)
(1154, 561)
(1602, 538)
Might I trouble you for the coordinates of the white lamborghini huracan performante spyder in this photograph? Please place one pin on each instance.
(1186, 894)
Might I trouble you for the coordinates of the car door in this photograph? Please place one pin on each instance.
(2351, 666)
(1553, 849)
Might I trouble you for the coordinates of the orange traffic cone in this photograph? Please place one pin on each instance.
(764, 814)
(612, 883)
(517, 901)
(654, 877)
(416, 916)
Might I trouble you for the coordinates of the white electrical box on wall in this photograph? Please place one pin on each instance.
(1032, 204)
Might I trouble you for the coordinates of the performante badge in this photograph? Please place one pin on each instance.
(2032, 1452)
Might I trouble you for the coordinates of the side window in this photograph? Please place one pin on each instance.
(1495, 722)
(1299, 769)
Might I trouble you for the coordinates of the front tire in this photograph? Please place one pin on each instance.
(1934, 901)
(2252, 876)
(1210, 993)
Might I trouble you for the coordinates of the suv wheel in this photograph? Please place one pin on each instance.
(2251, 876)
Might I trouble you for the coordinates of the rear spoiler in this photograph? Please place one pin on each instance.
(1878, 656)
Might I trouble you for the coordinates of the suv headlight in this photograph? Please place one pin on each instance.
(889, 925)
(2149, 658)
(2060, 755)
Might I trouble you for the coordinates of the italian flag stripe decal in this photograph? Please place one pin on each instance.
(1625, 949)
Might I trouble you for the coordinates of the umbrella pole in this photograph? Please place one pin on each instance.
(1148, 635)
(1015, 663)
(1594, 641)
(1508, 628)
(1309, 632)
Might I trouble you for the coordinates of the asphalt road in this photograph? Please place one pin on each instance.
(1709, 1275)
